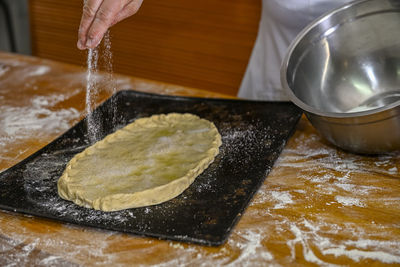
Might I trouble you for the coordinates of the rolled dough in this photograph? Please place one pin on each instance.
(147, 162)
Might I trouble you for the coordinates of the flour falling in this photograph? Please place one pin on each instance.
(94, 126)
(108, 64)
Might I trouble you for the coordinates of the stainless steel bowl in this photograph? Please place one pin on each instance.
(343, 70)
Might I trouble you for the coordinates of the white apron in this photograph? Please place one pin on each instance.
(281, 21)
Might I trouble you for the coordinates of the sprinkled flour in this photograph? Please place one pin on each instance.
(314, 208)
(349, 201)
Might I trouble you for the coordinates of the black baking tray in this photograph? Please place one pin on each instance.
(253, 135)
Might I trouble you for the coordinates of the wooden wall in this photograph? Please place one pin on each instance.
(202, 44)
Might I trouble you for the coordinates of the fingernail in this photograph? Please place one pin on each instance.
(80, 45)
(89, 43)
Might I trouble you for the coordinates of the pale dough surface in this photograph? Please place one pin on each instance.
(147, 162)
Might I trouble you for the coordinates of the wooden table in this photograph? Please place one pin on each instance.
(318, 206)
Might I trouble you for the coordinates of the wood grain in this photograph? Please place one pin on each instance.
(201, 44)
(319, 206)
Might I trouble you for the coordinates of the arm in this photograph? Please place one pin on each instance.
(99, 15)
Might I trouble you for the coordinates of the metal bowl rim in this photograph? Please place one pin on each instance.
(298, 101)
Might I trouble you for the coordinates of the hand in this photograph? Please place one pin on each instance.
(99, 15)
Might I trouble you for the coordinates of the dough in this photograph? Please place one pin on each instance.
(147, 162)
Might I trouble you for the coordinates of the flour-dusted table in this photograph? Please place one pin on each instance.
(319, 205)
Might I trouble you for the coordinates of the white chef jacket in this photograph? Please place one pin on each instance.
(281, 21)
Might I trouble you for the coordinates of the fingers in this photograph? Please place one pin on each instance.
(89, 11)
(129, 9)
(99, 15)
(105, 15)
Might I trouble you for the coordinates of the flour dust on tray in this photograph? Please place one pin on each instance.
(147, 162)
